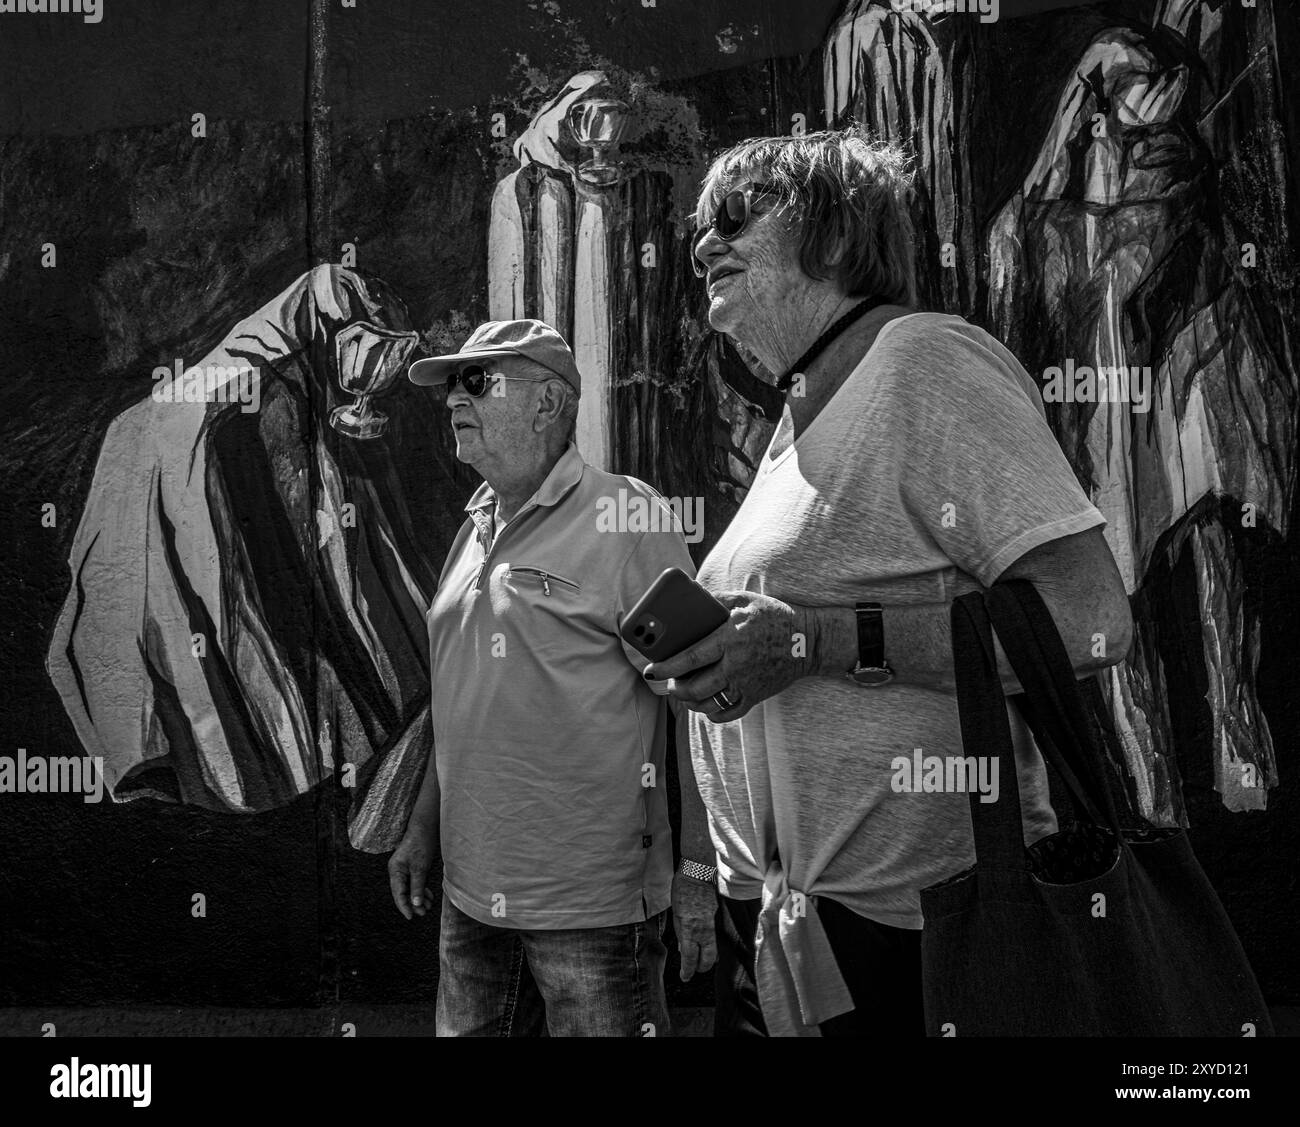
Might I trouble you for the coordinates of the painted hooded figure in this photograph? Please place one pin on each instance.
(249, 585)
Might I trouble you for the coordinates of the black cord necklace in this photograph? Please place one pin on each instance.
(835, 328)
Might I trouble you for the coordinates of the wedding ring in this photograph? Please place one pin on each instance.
(720, 699)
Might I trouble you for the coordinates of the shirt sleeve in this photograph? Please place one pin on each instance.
(983, 474)
(653, 554)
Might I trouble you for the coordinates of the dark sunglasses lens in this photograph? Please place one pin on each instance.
(473, 377)
(728, 221)
(733, 214)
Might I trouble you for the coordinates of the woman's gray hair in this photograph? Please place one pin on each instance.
(846, 190)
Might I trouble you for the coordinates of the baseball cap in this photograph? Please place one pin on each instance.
(534, 339)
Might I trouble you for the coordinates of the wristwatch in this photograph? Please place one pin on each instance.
(693, 870)
(872, 668)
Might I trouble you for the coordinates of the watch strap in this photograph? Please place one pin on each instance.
(694, 870)
(871, 635)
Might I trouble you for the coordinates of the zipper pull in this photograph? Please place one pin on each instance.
(546, 586)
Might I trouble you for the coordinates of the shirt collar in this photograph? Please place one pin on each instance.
(564, 475)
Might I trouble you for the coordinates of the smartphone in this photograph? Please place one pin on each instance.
(676, 612)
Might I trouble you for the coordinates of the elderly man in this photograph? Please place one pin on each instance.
(544, 786)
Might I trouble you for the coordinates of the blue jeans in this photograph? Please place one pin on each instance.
(582, 982)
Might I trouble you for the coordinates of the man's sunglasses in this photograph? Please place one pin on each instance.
(729, 220)
(476, 379)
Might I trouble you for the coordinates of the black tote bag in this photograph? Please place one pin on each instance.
(1096, 930)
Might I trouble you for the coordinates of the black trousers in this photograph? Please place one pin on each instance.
(881, 966)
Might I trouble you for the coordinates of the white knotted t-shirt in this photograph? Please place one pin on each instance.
(929, 472)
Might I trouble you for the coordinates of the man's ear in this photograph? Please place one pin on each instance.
(550, 402)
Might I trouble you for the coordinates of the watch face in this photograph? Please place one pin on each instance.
(872, 676)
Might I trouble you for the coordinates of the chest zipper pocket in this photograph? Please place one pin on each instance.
(547, 577)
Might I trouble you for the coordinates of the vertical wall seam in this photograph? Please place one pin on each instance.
(320, 249)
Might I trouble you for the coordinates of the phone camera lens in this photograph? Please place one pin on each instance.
(649, 638)
(638, 631)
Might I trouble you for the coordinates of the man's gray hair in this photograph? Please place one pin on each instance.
(842, 187)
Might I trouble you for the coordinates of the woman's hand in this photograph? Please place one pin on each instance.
(764, 646)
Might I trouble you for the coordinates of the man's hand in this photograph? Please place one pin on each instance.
(761, 649)
(694, 906)
(408, 868)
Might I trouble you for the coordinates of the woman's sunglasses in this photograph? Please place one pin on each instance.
(729, 220)
(476, 379)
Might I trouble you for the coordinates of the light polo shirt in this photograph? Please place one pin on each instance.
(548, 742)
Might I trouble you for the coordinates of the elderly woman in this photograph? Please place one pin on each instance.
(912, 464)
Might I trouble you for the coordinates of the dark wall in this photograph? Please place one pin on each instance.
(166, 241)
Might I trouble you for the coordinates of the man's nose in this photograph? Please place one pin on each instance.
(457, 396)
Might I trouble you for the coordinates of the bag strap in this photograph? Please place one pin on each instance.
(1068, 794)
(1053, 704)
(986, 731)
